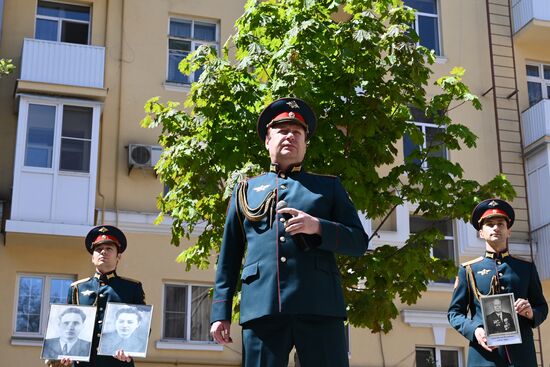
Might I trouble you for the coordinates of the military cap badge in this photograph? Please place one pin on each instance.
(289, 110)
(105, 234)
(491, 208)
(293, 104)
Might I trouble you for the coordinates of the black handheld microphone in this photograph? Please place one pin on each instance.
(298, 237)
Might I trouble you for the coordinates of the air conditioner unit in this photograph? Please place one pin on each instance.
(143, 155)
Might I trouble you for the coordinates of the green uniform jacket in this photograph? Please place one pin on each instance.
(279, 277)
(97, 291)
(515, 276)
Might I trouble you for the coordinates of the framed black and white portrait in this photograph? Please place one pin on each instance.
(125, 327)
(500, 319)
(69, 332)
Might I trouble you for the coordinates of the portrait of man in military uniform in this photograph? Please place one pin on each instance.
(497, 319)
(288, 225)
(496, 273)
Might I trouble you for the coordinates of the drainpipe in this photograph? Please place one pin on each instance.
(100, 155)
(1, 16)
(119, 117)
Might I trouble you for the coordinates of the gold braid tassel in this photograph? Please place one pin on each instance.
(493, 289)
(266, 208)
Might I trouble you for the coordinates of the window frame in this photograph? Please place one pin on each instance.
(423, 126)
(44, 302)
(54, 222)
(452, 238)
(418, 13)
(544, 83)
(437, 353)
(60, 20)
(188, 314)
(57, 137)
(195, 43)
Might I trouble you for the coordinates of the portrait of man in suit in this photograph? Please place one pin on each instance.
(127, 335)
(70, 324)
(499, 321)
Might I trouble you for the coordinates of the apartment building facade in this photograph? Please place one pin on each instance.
(73, 155)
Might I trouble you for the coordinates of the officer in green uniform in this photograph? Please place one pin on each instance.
(106, 245)
(497, 272)
(291, 224)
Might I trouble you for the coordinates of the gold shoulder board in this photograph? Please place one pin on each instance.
(477, 259)
(79, 281)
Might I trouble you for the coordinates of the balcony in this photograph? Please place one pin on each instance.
(531, 19)
(536, 124)
(62, 68)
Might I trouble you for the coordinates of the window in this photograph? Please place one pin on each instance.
(437, 357)
(426, 23)
(62, 22)
(185, 36)
(444, 249)
(55, 165)
(34, 295)
(186, 313)
(429, 131)
(538, 82)
(74, 140)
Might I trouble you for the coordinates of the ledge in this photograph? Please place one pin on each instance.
(441, 59)
(440, 287)
(142, 222)
(60, 229)
(27, 341)
(27, 86)
(176, 87)
(437, 320)
(175, 345)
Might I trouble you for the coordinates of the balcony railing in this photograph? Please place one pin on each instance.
(536, 122)
(62, 63)
(525, 10)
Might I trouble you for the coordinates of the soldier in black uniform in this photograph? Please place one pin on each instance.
(497, 272)
(106, 245)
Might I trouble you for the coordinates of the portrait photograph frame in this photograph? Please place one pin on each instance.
(500, 319)
(125, 326)
(69, 332)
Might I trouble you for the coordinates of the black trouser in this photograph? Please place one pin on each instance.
(319, 340)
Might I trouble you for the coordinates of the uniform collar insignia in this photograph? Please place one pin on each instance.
(493, 203)
(87, 292)
(274, 167)
(497, 255)
(110, 275)
(484, 272)
(260, 188)
(293, 104)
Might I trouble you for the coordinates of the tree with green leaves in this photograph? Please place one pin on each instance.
(360, 67)
(6, 67)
